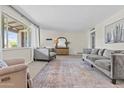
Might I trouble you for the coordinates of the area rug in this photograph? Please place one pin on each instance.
(71, 73)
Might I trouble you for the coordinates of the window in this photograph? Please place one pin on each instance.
(15, 33)
(12, 39)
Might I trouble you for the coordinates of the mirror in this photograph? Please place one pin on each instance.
(15, 33)
(61, 42)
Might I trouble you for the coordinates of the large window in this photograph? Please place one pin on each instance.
(12, 39)
(15, 33)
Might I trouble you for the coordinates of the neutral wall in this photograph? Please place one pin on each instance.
(24, 53)
(100, 32)
(78, 40)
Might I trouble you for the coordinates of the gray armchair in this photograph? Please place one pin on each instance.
(44, 54)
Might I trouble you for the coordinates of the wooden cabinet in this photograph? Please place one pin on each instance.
(62, 51)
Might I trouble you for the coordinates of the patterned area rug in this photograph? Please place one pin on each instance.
(71, 72)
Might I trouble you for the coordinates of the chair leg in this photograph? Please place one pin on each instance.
(113, 81)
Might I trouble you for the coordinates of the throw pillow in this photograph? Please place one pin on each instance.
(3, 64)
(107, 53)
(101, 52)
(94, 51)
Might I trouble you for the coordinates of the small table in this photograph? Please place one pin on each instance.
(62, 51)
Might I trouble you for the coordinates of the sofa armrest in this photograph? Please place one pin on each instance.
(14, 61)
(12, 69)
(117, 66)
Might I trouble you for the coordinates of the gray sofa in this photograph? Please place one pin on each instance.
(110, 62)
(44, 54)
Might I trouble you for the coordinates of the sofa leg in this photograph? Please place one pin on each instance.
(82, 59)
(92, 66)
(113, 81)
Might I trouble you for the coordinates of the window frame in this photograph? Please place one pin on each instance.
(3, 15)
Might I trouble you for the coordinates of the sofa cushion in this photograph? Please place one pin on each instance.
(94, 51)
(95, 57)
(100, 52)
(107, 53)
(3, 64)
(104, 63)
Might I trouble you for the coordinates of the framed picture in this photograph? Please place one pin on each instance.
(114, 33)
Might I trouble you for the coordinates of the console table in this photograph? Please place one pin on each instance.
(62, 51)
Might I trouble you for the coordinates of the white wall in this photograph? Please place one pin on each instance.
(78, 40)
(100, 32)
(0, 35)
(24, 53)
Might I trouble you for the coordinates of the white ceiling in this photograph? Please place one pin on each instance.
(68, 17)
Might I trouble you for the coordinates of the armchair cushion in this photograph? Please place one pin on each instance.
(52, 54)
(3, 64)
(10, 62)
(12, 69)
